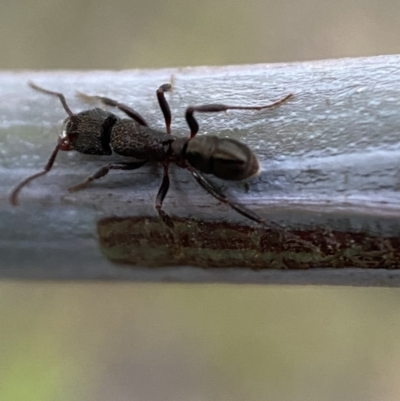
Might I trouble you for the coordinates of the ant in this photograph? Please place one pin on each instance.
(100, 132)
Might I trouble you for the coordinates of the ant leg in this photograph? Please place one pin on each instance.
(59, 95)
(113, 103)
(210, 188)
(164, 106)
(14, 194)
(105, 170)
(211, 108)
(160, 198)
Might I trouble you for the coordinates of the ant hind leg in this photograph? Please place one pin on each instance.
(212, 190)
(214, 108)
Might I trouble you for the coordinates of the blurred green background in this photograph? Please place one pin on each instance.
(155, 33)
(165, 342)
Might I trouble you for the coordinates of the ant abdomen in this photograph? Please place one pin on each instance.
(223, 157)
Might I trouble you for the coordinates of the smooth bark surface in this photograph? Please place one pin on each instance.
(329, 158)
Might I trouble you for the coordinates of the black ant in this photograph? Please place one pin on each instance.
(99, 132)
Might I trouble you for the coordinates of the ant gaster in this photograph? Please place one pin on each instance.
(99, 132)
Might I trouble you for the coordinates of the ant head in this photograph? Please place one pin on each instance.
(88, 132)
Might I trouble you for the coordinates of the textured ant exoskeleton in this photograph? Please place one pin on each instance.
(99, 132)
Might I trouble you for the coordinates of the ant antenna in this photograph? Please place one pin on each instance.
(59, 95)
(47, 168)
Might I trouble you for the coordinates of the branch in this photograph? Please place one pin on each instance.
(330, 178)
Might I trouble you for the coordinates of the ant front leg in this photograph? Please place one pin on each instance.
(105, 170)
(162, 192)
(113, 103)
(214, 108)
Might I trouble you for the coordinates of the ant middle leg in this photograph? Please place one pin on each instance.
(213, 108)
(164, 106)
(162, 192)
(105, 170)
(113, 103)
